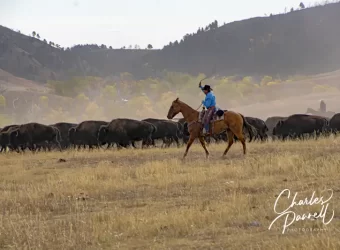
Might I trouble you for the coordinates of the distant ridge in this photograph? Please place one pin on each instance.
(299, 42)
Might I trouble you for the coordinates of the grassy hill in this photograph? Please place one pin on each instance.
(9, 81)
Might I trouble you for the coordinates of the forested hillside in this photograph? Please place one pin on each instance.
(304, 41)
(36, 59)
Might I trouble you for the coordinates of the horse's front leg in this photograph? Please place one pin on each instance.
(191, 140)
(203, 145)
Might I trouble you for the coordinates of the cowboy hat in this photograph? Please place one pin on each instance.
(207, 87)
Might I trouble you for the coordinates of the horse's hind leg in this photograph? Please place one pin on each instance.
(230, 141)
(237, 129)
(240, 136)
(204, 147)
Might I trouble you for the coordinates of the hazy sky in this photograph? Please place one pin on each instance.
(125, 22)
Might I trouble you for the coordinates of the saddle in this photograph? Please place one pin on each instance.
(216, 121)
(218, 115)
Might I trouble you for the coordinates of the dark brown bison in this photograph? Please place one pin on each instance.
(296, 126)
(260, 126)
(166, 130)
(86, 134)
(4, 137)
(64, 128)
(32, 134)
(125, 131)
(6, 128)
(271, 123)
(185, 132)
(334, 124)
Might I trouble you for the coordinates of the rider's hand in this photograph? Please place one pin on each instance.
(200, 84)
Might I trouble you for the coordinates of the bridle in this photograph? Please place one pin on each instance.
(192, 122)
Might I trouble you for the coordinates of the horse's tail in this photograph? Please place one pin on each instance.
(249, 127)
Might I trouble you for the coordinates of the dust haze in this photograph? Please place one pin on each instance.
(295, 99)
(24, 101)
(281, 66)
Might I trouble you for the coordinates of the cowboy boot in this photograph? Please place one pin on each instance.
(205, 132)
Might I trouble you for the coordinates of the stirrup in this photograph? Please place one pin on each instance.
(205, 133)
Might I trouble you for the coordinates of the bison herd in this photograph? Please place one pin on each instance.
(126, 132)
(91, 134)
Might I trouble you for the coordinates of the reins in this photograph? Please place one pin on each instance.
(192, 122)
(199, 107)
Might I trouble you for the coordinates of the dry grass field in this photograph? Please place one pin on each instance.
(150, 199)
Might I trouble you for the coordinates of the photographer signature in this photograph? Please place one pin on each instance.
(293, 216)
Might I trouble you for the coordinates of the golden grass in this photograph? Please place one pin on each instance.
(150, 199)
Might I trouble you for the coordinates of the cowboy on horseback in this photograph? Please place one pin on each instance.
(210, 104)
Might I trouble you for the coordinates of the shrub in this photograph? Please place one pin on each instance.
(93, 111)
(272, 83)
(324, 88)
(265, 80)
(82, 97)
(3, 103)
(159, 92)
(110, 92)
(165, 101)
(5, 120)
(247, 80)
(43, 101)
(73, 86)
(57, 115)
(142, 107)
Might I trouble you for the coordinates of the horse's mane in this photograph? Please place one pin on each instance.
(183, 103)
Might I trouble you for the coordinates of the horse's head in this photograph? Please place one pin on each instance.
(175, 108)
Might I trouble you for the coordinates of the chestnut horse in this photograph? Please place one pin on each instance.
(233, 125)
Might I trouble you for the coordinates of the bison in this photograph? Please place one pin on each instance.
(185, 133)
(86, 133)
(32, 134)
(4, 137)
(334, 124)
(295, 126)
(64, 128)
(166, 130)
(125, 131)
(271, 123)
(260, 126)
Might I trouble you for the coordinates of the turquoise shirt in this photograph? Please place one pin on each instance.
(210, 100)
